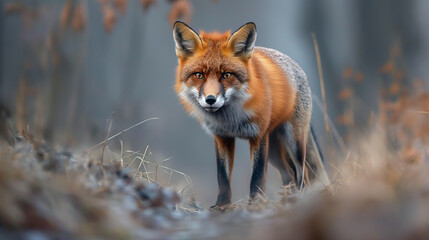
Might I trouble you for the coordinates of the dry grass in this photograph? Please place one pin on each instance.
(378, 190)
(378, 187)
(78, 196)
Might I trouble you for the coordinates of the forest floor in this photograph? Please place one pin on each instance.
(376, 192)
(378, 188)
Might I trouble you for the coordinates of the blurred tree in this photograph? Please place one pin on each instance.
(376, 27)
(380, 24)
(50, 94)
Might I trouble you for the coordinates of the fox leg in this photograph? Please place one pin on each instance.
(301, 153)
(259, 154)
(225, 162)
(301, 126)
(279, 153)
(300, 132)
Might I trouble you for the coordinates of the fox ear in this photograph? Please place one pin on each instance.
(242, 41)
(186, 39)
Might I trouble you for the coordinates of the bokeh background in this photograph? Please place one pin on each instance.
(66, 66)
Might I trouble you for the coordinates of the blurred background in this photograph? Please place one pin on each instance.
(68, 66)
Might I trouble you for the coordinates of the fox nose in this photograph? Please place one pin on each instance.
(210, 99)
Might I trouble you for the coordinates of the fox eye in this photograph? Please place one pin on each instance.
(226, 75)
(199, 75)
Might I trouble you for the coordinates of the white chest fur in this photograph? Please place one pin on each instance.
(230, 121)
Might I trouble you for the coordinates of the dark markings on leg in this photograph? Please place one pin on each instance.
(260, 151)
(279, 157)
(301, 158)
(288, 165)
(223, 177)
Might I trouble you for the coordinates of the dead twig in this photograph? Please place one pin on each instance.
(119, 133)
(322, 84)
(107, 135)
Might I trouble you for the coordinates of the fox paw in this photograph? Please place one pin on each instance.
(219, 208)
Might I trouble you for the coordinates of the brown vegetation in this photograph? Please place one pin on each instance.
(378, 189)
(378, 177)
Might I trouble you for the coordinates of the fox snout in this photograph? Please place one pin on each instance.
(210, 99)
(211, 103)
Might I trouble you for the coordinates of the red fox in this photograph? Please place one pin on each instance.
(237, 90)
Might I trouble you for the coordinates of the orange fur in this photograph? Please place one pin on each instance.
(237, 90)
(272, 96)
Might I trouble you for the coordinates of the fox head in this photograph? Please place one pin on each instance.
(213, 67)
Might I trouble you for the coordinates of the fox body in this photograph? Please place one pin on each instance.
(235, 89)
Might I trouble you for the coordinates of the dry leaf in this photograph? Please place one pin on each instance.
(180, 9)
(109, 18)
(394, 88)
(345, 94)
(424, 101)
(347, 73)
(147, 4)
(346, 119)
(410, 155)
(11, 8)
(121, 5)
(66, 14)
(388, 67)
(359, 77)
(79, 19)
